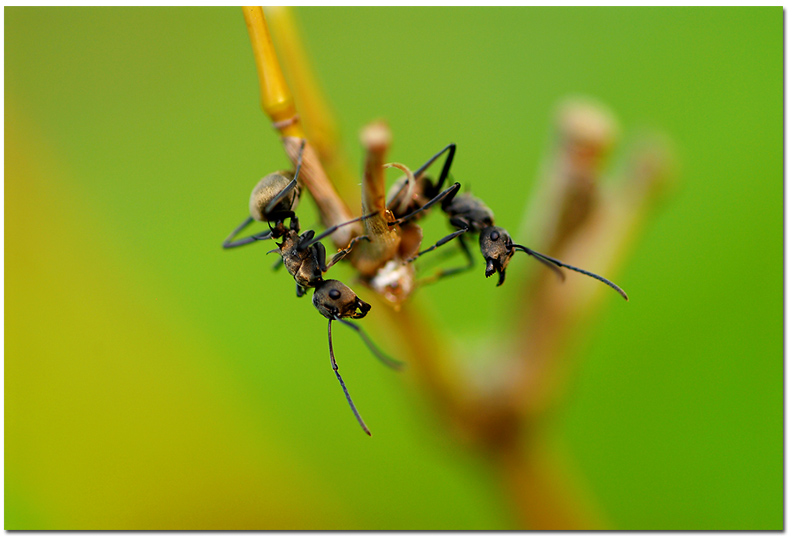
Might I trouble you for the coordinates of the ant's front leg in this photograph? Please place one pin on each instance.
(445, 196)
(329, 231)
(463, 227)
(341, 253)
(450, 272)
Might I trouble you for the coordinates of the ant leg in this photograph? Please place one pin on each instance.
(285, 191)
(448, 162)
(318, 251)
(451, 151)
(448, 194)
(230, 243)
(341, 381)
(330, 230)
(442, 242)
(264, 235)
(386, 360)
(341, 253)
(470, 262)
(299, 290)
(277, 264)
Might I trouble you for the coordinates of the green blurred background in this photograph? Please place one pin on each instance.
(154, 381)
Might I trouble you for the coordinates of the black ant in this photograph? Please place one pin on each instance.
(469, 214)
(335, 301)
(304, 255)
(273, 200)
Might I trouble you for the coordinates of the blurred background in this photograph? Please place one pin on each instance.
(153, 381)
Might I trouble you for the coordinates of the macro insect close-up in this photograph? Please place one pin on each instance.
(512, 236)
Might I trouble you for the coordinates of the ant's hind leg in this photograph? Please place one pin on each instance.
(448, 162)
(263, 235)
(230, 243)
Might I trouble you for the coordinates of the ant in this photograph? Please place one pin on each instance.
(273, 200)
(335, 301)
(304, 255)
(468, 214)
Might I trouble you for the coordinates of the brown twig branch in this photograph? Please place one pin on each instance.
(585, 224)
(320, 123)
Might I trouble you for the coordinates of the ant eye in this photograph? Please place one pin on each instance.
(495, 235)
(334, 294)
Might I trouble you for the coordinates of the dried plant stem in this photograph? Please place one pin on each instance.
(331, 208)
(384, 240)
(434, 369)
(276, 99)
(588, 227)
(537, 491)
(320, 123)
(585, 134)
(601, 242)
(278, 103)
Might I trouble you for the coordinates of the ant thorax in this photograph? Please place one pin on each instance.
(470, 210)
(302, 264)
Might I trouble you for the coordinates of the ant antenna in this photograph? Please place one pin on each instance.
(346, 393)
(386, 360)
(555, 261)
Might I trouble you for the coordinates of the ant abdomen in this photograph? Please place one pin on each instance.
(267, 189)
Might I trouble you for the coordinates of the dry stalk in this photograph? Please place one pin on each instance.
(585, 135)
(278, 104)
(598, 237)
(320, 124)
(584, 225)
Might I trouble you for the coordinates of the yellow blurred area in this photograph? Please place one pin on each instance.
(115, 416)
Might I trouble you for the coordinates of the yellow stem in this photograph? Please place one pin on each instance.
(276, 99)
(542, 497)
(278, 103)
(319, 121)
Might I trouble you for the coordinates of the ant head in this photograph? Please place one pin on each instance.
(497, 249)
(335, 300)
